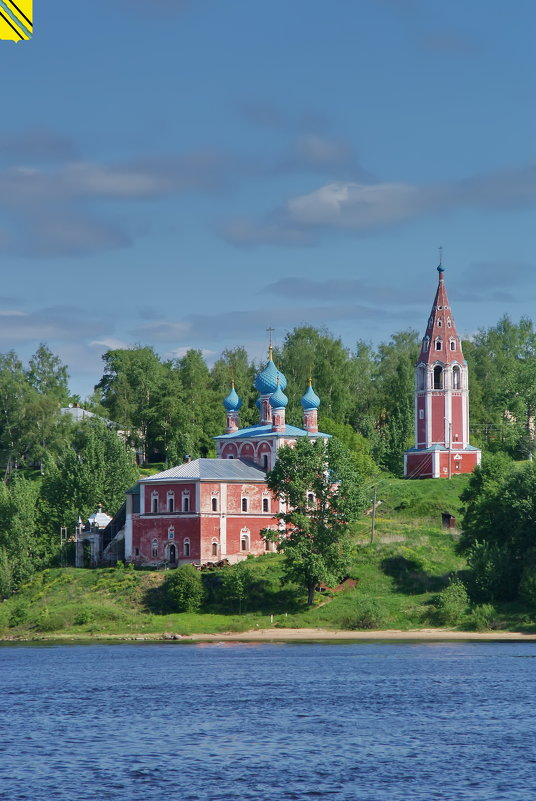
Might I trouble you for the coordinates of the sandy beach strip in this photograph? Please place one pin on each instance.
(314, 635)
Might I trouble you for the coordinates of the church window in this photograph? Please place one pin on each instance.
(265, 461)
(310, 498)
(426, 343)
(421, 414)
(439, 323)
(452, 344)
(230, 456)
(154, 503)
(265, 505)
(421, 378)
(267, 545)
(214, 504)
(244, 504)
(438, 343)
(155, 549)
(438, 377)
(137, 551)
(449, 324)
(186, 547)
(171, 533)
(456, 377)
(244, 542)
(171, 502)
(185, 501)
(214, 549)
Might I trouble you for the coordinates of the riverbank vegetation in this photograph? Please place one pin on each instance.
(411, 576)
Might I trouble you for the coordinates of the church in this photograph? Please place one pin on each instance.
(442, 446)
(208, 510)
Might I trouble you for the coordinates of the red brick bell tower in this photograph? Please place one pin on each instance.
(442, 446)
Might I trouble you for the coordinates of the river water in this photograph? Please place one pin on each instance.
(215, 722)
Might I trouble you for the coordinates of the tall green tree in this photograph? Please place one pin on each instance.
(128, 390)
(48, 375)
(22, 550)
(97, 468)
(234, 365)
(323, 493)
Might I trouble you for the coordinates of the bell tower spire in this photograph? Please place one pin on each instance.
(442, 446)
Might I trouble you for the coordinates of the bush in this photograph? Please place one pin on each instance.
(483, 617)
(494, 574)
(184, 589)
(451, 604)
(366, 614)
(19, 613)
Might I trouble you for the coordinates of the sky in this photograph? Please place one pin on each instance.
(188, 173)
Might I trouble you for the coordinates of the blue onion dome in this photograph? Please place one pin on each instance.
(278, 400)
(267, 380)
(232, 402)
(310, 400)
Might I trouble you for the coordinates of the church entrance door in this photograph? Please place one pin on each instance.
(172, 553)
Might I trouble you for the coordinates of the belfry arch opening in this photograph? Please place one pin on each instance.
(438, 377)
(456, 377)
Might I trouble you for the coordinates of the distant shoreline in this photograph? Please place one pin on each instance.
(288, 635)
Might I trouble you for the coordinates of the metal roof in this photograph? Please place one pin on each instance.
(212, 470)
(266, 431)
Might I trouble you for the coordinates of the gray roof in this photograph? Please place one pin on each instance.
(212, 470)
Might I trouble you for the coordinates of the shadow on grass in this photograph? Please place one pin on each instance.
(265, 596)
(409, 577)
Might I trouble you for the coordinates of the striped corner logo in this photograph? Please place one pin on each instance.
(16, 20)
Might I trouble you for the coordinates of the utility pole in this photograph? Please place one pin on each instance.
(373, 517)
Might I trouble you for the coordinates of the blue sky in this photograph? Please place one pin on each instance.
(186, 173)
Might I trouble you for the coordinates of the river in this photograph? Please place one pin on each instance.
(221, 721)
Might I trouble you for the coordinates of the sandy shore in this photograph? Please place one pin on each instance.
(286, 635)
(289, 635)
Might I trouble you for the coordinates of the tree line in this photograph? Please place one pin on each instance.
(165, 409)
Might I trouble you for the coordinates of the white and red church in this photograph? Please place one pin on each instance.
(442, 446)
(208, 510)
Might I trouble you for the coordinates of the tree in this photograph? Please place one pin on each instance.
(97, 468)
(48, 375)
(130, 386)
(184, 588)
(235, 584)
(499, 525)
(323, 493)
(22, 551)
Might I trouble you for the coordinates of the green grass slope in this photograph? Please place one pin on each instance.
(398, 577)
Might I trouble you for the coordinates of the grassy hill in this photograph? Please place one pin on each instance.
(398, 577)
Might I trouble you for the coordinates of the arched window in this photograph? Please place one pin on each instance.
(214, 503)
(456, 377)
(214, 549)
(185, 501)
(438, 377)
(421, 377)
(265, 505)
(310, 498)
(449, 324)
(154, 503)
(155, 549)
(186, 547)
(438, 343)
(452, 343)
(439, 323)
(267, 544)
(265, 461)
(230, 456)
(171, 501)
(244, 504)
(244, 542)
(171, 533)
